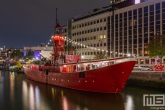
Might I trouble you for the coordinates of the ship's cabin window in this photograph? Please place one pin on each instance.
(59, 31)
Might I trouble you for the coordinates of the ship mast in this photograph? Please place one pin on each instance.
(56, 16)
(58, 39)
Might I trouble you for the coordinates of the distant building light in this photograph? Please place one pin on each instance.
(128, 55)
(137, 1)
(82, 57)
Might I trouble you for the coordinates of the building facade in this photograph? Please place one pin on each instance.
(89, 30)
(45, 51)
(126, 35)
(134, 26)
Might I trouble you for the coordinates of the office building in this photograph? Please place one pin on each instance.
(135, 22)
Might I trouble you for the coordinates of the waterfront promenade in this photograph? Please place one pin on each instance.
(2, 66)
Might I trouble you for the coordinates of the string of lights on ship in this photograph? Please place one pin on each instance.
(77, 43)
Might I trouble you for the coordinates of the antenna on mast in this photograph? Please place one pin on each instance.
(56, 16)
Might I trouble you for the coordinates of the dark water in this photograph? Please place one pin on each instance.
(19, 93)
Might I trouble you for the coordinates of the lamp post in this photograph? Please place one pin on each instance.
(82, 57)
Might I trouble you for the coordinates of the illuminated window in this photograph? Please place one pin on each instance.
(101, 36)
(141, 61)
(135, 22)
(130, 22)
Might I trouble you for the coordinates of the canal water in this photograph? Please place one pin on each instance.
(19, 93)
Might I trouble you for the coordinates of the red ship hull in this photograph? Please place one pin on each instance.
(108, 79)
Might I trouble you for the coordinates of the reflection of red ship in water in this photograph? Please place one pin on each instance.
(68, 99)
(67, 71)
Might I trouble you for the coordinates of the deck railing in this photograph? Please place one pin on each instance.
(79, 66)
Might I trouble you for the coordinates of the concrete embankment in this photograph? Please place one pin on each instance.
(148, 78)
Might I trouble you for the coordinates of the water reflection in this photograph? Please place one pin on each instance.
(0, 73)
(19, 93)
(25, 94)
(129, 105)
(67, 99)
(133, 96)
(1, 85)
(12, 86)
(65, 103)
(37, 92)
(31, 97)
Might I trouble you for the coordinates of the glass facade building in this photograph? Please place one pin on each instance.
(133, 27)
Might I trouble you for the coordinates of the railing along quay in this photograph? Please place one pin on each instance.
(4, 67)
(7, 68)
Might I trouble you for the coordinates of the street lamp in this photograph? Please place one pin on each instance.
(82, 57)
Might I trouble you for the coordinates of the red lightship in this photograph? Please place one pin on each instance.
(107, 76)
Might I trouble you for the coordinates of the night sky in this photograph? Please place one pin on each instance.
(30, 22)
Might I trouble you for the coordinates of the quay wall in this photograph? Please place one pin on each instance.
(149, 78)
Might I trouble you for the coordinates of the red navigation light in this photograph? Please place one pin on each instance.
(58, 40)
